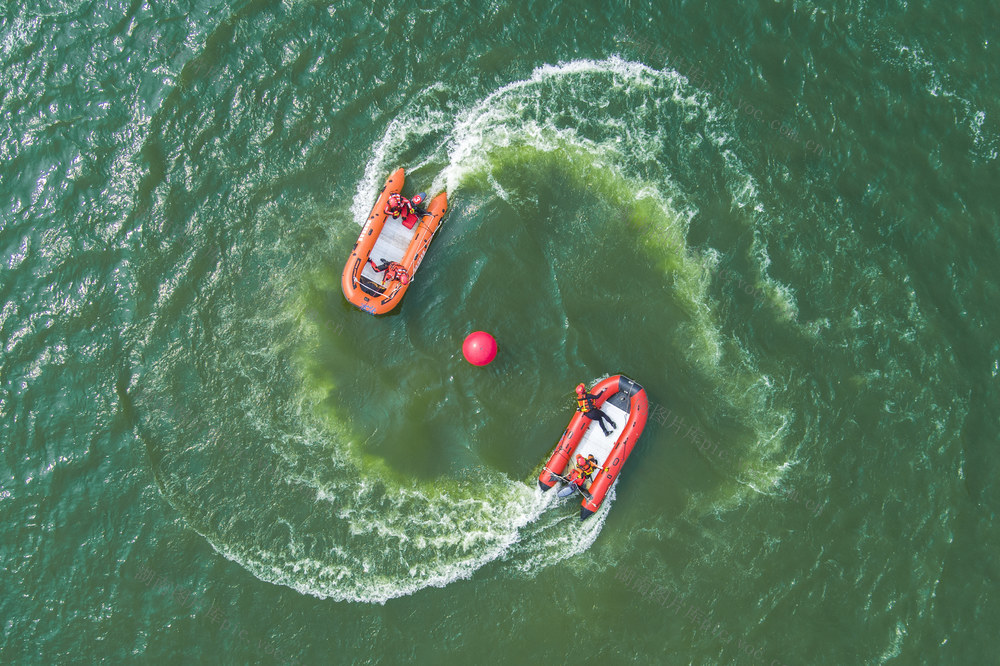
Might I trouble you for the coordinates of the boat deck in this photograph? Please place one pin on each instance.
(595, 441)
(391, 245)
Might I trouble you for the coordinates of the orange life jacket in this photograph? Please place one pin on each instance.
(397, 205)
(584, 404)
(396, 271)
(584, 468)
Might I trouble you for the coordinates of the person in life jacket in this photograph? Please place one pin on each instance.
(585, 403)
(583, 469)
(393, 271)
(398, 205)
(581, 472)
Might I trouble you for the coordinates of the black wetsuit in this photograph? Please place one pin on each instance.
(594, 414)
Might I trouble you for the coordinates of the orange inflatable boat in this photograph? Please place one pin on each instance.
(624, 401)
(387, 243)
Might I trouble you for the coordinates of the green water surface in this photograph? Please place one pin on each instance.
(780, 218)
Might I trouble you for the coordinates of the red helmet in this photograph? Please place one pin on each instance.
(418, 199)
(580, 388)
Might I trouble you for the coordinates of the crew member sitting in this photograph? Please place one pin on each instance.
(581, 472)
(583, 469)
(398, 205)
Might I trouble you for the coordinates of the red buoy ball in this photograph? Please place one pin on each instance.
(479, 348)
